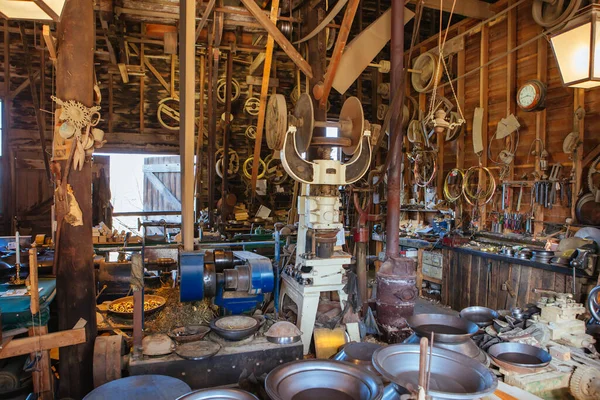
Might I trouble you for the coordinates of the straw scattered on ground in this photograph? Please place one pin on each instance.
(178, 314)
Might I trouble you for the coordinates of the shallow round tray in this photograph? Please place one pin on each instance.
(198, 350)
(453, 375)
(190, 333)
(446, 328)
(161, 300)
(481, 316)
(322, 379)
(519, 355)
(218, 394)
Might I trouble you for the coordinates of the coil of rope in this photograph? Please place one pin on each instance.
(459, 175)
(476, 198)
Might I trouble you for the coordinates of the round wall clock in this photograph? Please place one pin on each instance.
(532, 95)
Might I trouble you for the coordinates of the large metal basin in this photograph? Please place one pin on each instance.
(218, 394)
(519, 355)
(322, 379)
(453, 375)
(360, 354)
(446, 328)
(482, 316)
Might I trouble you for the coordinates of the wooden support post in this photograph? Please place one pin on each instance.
(35, 100)
(511, 76)
(207, 11)
(460, 90)
(579, 101)
(187, 88)
(322, 91)
(49, 40)
(226, 130)
(200, 140)
(264, 90)
(540, 123)
(110, 103)
(483, 102)
(142, 86)
(7, 195)
(75, 289)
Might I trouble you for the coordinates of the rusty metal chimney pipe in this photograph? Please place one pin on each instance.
(395, 167)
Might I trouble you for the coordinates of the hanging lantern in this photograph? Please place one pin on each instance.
(577, 49)
(32, 10)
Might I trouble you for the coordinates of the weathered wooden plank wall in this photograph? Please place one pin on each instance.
(558, 117)
(479, 281)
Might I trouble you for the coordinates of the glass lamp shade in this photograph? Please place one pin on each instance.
(577, 50)
(34, 10)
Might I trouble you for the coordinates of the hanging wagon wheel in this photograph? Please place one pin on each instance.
(108, 359)
(426, 72)
(276, 121)
(168, 113)
(252, 106)
(250, 132)
(593, 184)
(247, 168)
(551, 13)
(222, 90)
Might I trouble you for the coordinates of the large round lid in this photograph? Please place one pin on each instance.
(445, 328)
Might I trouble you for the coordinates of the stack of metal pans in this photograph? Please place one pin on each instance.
(449, 332)
(322, 379)
(453, 376)
(360, 354)
(542, 256)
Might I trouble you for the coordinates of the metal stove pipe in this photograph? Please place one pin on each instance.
(395, 168)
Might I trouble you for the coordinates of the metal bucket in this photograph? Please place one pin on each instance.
(453, 375)
(322, 379)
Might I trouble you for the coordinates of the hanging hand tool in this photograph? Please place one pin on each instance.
(554, 173)
(519, 199)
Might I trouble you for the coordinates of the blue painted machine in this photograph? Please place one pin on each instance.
(237, 280)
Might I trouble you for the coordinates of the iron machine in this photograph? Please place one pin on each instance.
(237, 280)
(320, 259)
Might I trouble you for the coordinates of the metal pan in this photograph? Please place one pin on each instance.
(322, 379)
(218, 394)
(360, 354)
(235, 327)
(519, 355)
(481, 316)
(453, 375)
(161, 301)
(446, 328)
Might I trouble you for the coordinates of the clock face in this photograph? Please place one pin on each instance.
(527, 95)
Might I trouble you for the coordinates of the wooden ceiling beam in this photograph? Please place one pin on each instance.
(469, 8)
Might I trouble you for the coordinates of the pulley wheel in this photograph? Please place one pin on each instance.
(168, 113)
(304, 113)
(276, 121)
(352, 110)
(550, 14)
(108, 351)
(427, 66)
(252, 106)
(454, 133)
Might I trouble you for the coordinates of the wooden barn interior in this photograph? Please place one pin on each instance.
(299, 199)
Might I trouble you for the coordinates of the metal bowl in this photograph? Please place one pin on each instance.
(481, 316)
(519, 355)
(360, 354)
(190, 333)
(218, 394)
(453, 375)
(235, 327)
(322, 379)
(446, 328)
(147, 297)
(283, 332)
